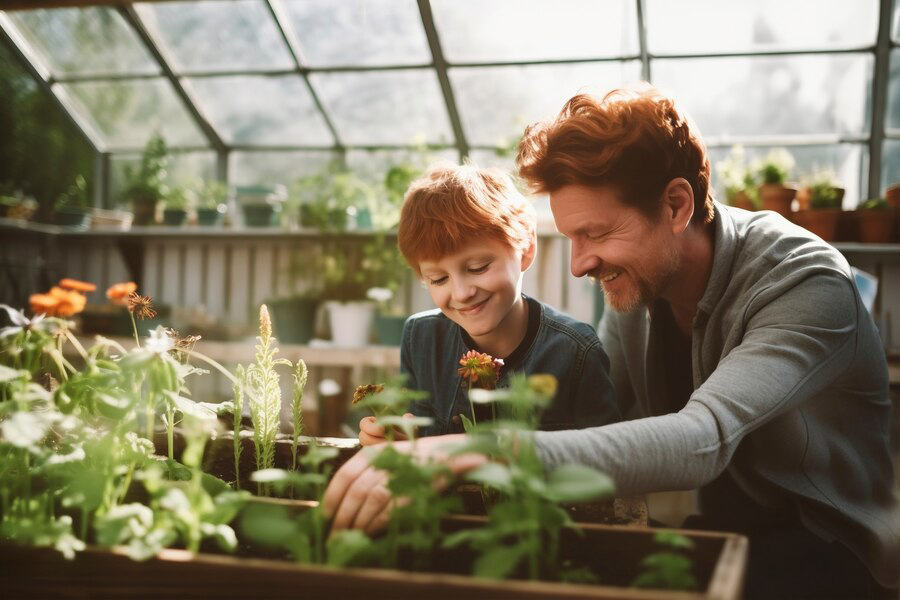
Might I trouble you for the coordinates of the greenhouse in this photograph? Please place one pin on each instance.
(407, 298)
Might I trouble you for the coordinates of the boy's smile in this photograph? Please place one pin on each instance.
(480, 289)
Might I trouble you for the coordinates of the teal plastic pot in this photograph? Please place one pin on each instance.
(260, 214)
(293, 319)
(174, 217)
(77, 218)
(389, 329)
(209, 216)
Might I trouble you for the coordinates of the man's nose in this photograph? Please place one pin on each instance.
(581, 261)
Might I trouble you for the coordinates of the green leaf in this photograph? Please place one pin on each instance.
(491, 474)
(8, 374)
(498, 562)
(673, 539)
(349, 547)
(222, 534)
(24, 429)
(577, 483)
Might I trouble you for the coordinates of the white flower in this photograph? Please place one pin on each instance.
(482, 396)
(19, 321)
(159, 341)
(379, 294)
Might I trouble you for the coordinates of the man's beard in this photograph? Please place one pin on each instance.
(649, 288)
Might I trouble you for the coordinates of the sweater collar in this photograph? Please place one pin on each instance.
(726, 245)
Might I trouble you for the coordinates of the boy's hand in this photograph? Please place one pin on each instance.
(370, 433)
(357, 496)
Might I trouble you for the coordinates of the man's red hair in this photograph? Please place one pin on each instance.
(635, 140)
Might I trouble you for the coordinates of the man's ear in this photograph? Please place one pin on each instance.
(530, 252)
(678, 200)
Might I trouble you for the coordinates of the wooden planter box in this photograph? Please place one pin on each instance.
(613, 552)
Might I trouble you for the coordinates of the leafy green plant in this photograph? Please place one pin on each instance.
(874, 204)
(524, 523)
(180, 198)
(75, 196)
(211, 194)
(300, 376)
(823, 191)
(668, 568)
(738, 177)
(265, 396)
(149, 180)
(237, 416)
(775, 167)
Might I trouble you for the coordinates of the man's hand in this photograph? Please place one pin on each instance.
(371, 434)
(358, 498)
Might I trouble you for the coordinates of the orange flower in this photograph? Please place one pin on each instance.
(119, 292)
(78, 286)
(57, 303)
(70, 302)
(43, 304)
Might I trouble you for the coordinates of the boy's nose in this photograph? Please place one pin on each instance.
(581, 261)
(462, 291)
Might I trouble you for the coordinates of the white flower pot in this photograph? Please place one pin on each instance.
(351, 322)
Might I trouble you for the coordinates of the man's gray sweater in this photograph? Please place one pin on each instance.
(790, 393)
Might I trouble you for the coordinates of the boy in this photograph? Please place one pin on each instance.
(469, 235)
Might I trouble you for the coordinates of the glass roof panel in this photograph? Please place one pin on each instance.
(847, 161)
(373, 165)
(499, 30)
(674, 27)
(262, 110)
(778, 95)
(127, 113)
(385, 107)
(216, 36)
(375, 32)
(273, 168)
(496, 103)
(84, 41)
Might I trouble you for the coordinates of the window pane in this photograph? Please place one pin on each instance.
(184, 168)
(385, 107)
(776, 95)
(217, 35)
(84, 41)
(127, 113)
(373, 165)
(496, 103)
(890, 169)
(262, 110)
(499, 30)
(708, 26)
(375, 32)
(273, 168)
(847, 162)
(893, 108)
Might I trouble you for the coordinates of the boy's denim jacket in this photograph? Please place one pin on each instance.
(570, 350)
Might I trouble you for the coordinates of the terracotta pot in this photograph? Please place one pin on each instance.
(876, 226)
(822, 223)
(777, 197)
(892, 195)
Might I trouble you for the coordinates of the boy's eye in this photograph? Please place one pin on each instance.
(438, 281)
(480, 269)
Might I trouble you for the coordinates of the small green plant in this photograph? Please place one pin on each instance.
(823, 191)
(874, 204)
(211, 194)
(775, 167)
(180, 198)
(738, 177)
(238, 415)
(669, 568)
(149, 179)
(300, 377)
(75, 196)
(262, 382)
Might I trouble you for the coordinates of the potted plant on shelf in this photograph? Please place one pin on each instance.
(772, 172)
(876, 221)
(146, 185)
(824, 199)
(211, 202)
(260, 204)
(739, 180)
(176, 205)
(71, 207)
(334, 199)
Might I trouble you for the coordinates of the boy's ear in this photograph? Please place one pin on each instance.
(529, 253)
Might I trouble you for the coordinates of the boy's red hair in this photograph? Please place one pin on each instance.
(451, 206)
(635, 140)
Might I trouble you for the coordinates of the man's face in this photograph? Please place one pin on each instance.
(632, 258)
(476, 287)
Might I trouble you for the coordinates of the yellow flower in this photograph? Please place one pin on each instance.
(477, 367)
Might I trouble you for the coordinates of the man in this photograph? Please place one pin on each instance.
(739, 348)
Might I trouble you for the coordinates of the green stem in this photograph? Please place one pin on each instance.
(170, 431)
(137, 339)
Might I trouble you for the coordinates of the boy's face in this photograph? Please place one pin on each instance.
(478, 286)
